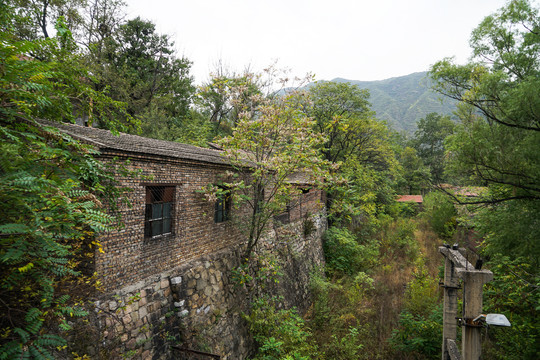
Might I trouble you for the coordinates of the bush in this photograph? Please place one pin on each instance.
(421, 295)
(441, 214)
(398, 238)
(403, 209)
(419, 335)
(345, 255)
(514, 292)
(280, 334)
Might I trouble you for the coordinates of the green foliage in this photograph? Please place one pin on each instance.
(496, 144)
(441, 214)
(51, 188)
(421, 295)
(514, 293)
(398, 240)
(511, 228)
(345, 254)
(403, 209)
(272, 142)
(429, 143)
(344, 347)
(358, 147)
(419, 335)
(414, 174)
(280, 333)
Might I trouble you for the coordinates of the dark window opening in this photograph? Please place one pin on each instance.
(223, 207)
(260, 204)
(159, 211)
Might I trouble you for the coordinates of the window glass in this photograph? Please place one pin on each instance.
(159, 210)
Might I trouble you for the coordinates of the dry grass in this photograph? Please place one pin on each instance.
(377, 309)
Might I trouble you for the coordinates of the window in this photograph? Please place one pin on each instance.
(223, 207)
(159, 211)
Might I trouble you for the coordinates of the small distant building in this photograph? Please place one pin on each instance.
(411, 198)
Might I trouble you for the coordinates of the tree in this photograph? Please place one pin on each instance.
(34, 17)
(496, 145)
(51, 188)
(429, 143)
(272, 141)
(414, 172)
(135, 65)
(342, 112)
(497, 141)
(357, 142)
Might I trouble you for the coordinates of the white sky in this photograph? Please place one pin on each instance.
(355, 40)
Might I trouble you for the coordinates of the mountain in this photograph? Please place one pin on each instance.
(403, 100)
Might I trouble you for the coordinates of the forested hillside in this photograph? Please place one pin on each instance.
(402, 100)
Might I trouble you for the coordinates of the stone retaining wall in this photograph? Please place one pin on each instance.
(198, 305)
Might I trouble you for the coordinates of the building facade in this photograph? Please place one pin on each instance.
(166, 275)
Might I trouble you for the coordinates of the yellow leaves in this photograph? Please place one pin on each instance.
(37, 77)
(26, 267)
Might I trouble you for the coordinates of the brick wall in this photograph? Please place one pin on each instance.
(129, 257)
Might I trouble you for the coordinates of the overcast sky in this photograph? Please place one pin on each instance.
(355, 40)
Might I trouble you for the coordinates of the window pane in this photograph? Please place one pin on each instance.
(166, 226)
(219, 211)
(157, 210)
(156, 227)
(167, 210)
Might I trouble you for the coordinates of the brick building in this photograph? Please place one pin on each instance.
(170, 230)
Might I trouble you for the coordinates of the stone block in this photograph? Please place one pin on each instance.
(176, 280)
(201, 284)
(113, 305)
(143, 312)
(164, 283)
(130, 345)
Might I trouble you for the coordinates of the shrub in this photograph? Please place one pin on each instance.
(398, 238)
(280, 334)
(422, 291)
(441, 214)
(345, 255)
(419, 335)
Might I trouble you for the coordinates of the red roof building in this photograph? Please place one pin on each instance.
(410, 198)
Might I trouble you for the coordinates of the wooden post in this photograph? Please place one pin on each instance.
(473, 282)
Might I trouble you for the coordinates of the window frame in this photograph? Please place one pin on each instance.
(159, 210)
(222, 207)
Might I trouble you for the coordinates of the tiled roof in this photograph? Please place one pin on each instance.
(104, 140)
(414, 198)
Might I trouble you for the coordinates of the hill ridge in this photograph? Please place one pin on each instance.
(402, 100)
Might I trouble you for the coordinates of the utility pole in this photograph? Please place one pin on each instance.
(457, 268)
